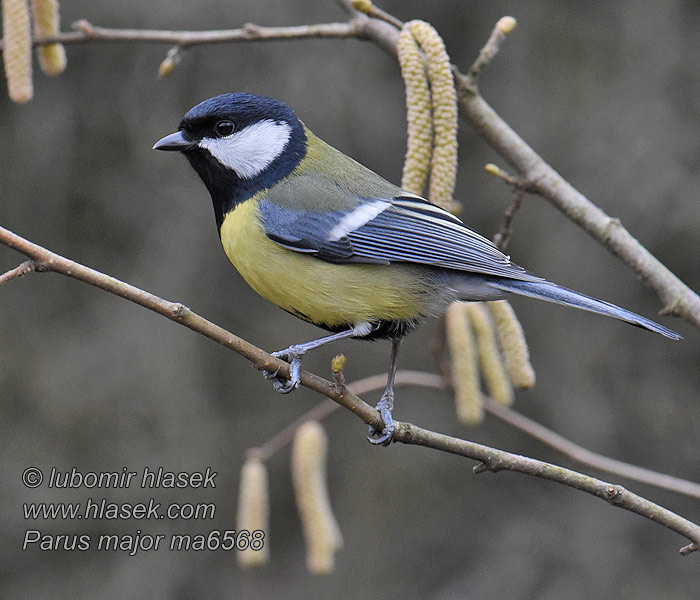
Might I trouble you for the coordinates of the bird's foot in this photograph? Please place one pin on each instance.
(284, 385)
(384, 406)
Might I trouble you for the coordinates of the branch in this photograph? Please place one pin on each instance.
(507, 415)
(586, 457)
(489, 458)
(369, 384)
(19, 271)
(502, 238)
(498, 460)
(678, 299)
(84, 32)
(504, 26)
(538, 175)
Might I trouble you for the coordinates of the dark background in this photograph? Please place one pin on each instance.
(606, 91)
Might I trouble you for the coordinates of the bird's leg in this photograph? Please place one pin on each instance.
(386, 403)
(294, 353)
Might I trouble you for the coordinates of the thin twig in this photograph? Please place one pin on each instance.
(509, 416)
(367, 7)
(504, 26)
(689, 549)
(489, 458)
(589, 458)
(512, 180)
(498, 460)
(519, 188)
(326, 407)
(284, 436)
(378, 13)
(502, 237)
(19, 271)
(85, 31)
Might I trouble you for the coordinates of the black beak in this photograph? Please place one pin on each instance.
(174, 141)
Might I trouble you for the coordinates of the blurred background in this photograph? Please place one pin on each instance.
(608, 92)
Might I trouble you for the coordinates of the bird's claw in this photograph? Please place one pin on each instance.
(385, 437)
(271, 374)
(284, 385)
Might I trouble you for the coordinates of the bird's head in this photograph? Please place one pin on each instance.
(239, 144)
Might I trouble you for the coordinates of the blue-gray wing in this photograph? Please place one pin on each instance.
(405, 229)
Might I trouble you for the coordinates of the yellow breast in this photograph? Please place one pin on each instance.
(317, 291)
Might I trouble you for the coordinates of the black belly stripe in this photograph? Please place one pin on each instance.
(382, 329)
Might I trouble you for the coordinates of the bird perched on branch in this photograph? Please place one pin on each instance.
(336, 245)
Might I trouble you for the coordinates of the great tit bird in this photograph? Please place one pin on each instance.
(335, 244)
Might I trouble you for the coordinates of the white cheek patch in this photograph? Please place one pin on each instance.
(251, 150)
(356, 218)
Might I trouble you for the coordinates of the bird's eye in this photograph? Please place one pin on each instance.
(224, 128)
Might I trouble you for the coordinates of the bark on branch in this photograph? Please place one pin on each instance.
(490, 459)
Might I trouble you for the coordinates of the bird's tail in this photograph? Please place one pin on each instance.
(551, 292)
